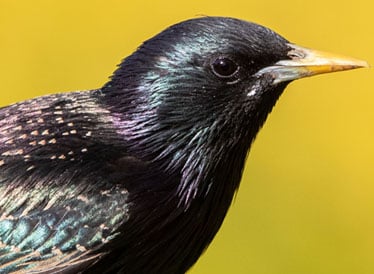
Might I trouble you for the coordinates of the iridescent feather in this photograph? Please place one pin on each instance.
(53, 212)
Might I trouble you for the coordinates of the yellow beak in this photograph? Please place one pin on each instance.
(305, 62)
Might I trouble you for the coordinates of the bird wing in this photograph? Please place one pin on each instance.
(56, 226)
(57, 206)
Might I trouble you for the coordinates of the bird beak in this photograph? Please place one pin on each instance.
(305, 62)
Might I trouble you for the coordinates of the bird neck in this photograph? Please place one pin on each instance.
(207, 156)
(188, 176)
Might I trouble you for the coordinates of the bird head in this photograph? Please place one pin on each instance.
(203, 88)
(200, 70)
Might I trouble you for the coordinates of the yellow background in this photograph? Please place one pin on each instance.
(305, 205)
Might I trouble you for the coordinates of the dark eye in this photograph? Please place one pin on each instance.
(224, 67)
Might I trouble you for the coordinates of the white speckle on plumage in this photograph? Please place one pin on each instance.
(62, 157)
(40, 120)
(124, 191)
(29, 121)
(23, 136)
(65, 133)
(89, 133)
(81, 248)
(45, 132)
(9, 142)
(56, 251)
(53, 157)
(59, 120)
(33, 143)
(52, 141)
(13, 152)
(42, 142)
(27, 156)
(15, 249)
(17, 128)
(73, 131)
(84, 150)
(105, 193)
(58, 112)
(6, 216)
(83, 199)
(70, 124)
(35, 133)
(2, 162)
(251, 92)
(30, 168)
(71, 152)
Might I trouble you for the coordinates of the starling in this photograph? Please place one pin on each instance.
(137, 176)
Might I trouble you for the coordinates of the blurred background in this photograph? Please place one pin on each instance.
(306, 203)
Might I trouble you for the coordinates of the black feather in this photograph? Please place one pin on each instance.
(136, 177)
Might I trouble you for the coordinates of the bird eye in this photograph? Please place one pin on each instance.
(224, 67)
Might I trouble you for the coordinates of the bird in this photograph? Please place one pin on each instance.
(138, 175)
